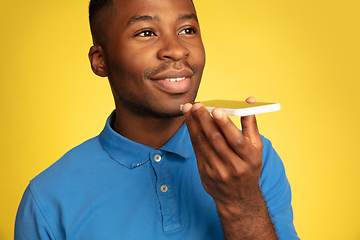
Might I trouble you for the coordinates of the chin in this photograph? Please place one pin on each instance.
(169, 108)
(168, 115)
(146, 110)
(165, 113)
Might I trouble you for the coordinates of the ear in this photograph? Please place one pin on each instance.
(97, 61)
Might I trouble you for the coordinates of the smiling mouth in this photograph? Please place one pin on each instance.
(174, 85)
(175, 79)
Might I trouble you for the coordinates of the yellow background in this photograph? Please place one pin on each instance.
(303, 54)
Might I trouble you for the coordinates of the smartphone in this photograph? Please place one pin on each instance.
(241, 108)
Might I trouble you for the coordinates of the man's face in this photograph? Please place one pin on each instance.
(154, 56)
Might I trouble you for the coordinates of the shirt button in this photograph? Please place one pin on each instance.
(157, 158)
(164, 188)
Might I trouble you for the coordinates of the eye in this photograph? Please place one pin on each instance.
(190, 30)
(146, 33)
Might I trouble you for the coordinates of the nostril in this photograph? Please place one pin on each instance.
(173, 49)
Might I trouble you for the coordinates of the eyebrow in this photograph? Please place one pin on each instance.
(188, 16)
(138, 18)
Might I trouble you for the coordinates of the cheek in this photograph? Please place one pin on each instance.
(125, 67)
(202, 55)
(198, 54)
(136, 62)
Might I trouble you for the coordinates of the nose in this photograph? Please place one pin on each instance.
(172, 49)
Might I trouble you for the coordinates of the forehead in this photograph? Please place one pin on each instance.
(128, 9)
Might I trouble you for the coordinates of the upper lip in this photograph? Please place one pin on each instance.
(172, 74)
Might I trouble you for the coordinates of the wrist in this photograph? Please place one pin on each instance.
(245, 210)
(248, 219)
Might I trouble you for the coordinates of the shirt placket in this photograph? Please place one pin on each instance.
(165, 190)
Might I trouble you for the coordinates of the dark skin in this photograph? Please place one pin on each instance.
(154, 57)
(228, 160)
(149, 42)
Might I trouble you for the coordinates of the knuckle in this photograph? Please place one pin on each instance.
(237, 142)
(223, 177)
(200, 137)
(216, 136)
(257, 162)
(241, 171)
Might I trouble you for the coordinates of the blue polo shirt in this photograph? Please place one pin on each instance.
(110, 187)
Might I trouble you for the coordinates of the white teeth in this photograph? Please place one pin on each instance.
(174, 79)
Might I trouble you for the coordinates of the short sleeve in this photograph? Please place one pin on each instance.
(30, 221)
(276, 190)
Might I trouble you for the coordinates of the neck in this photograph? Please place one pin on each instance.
(153, 132)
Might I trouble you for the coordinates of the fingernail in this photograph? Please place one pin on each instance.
(250, 100)
(218, 113)
(196, 106)
(185, 107)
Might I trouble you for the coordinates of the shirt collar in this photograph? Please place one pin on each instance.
(132, 154)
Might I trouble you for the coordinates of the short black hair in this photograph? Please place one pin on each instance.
(97, 8)
(98, 25)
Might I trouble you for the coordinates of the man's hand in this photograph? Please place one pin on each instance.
(229, 164)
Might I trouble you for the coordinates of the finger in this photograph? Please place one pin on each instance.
(215, 138)
(250, 128)
(235, 139)
(250, 100)
(209, 163)
(197, 136)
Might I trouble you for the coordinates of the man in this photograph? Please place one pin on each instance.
(142, 177)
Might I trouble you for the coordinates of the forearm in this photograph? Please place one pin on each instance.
(247, 220)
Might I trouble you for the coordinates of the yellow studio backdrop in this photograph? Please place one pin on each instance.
(303, 54)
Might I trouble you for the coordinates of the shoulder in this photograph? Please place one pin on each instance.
(50, 194)
(70, 166)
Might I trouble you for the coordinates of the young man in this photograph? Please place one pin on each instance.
(148, 175)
